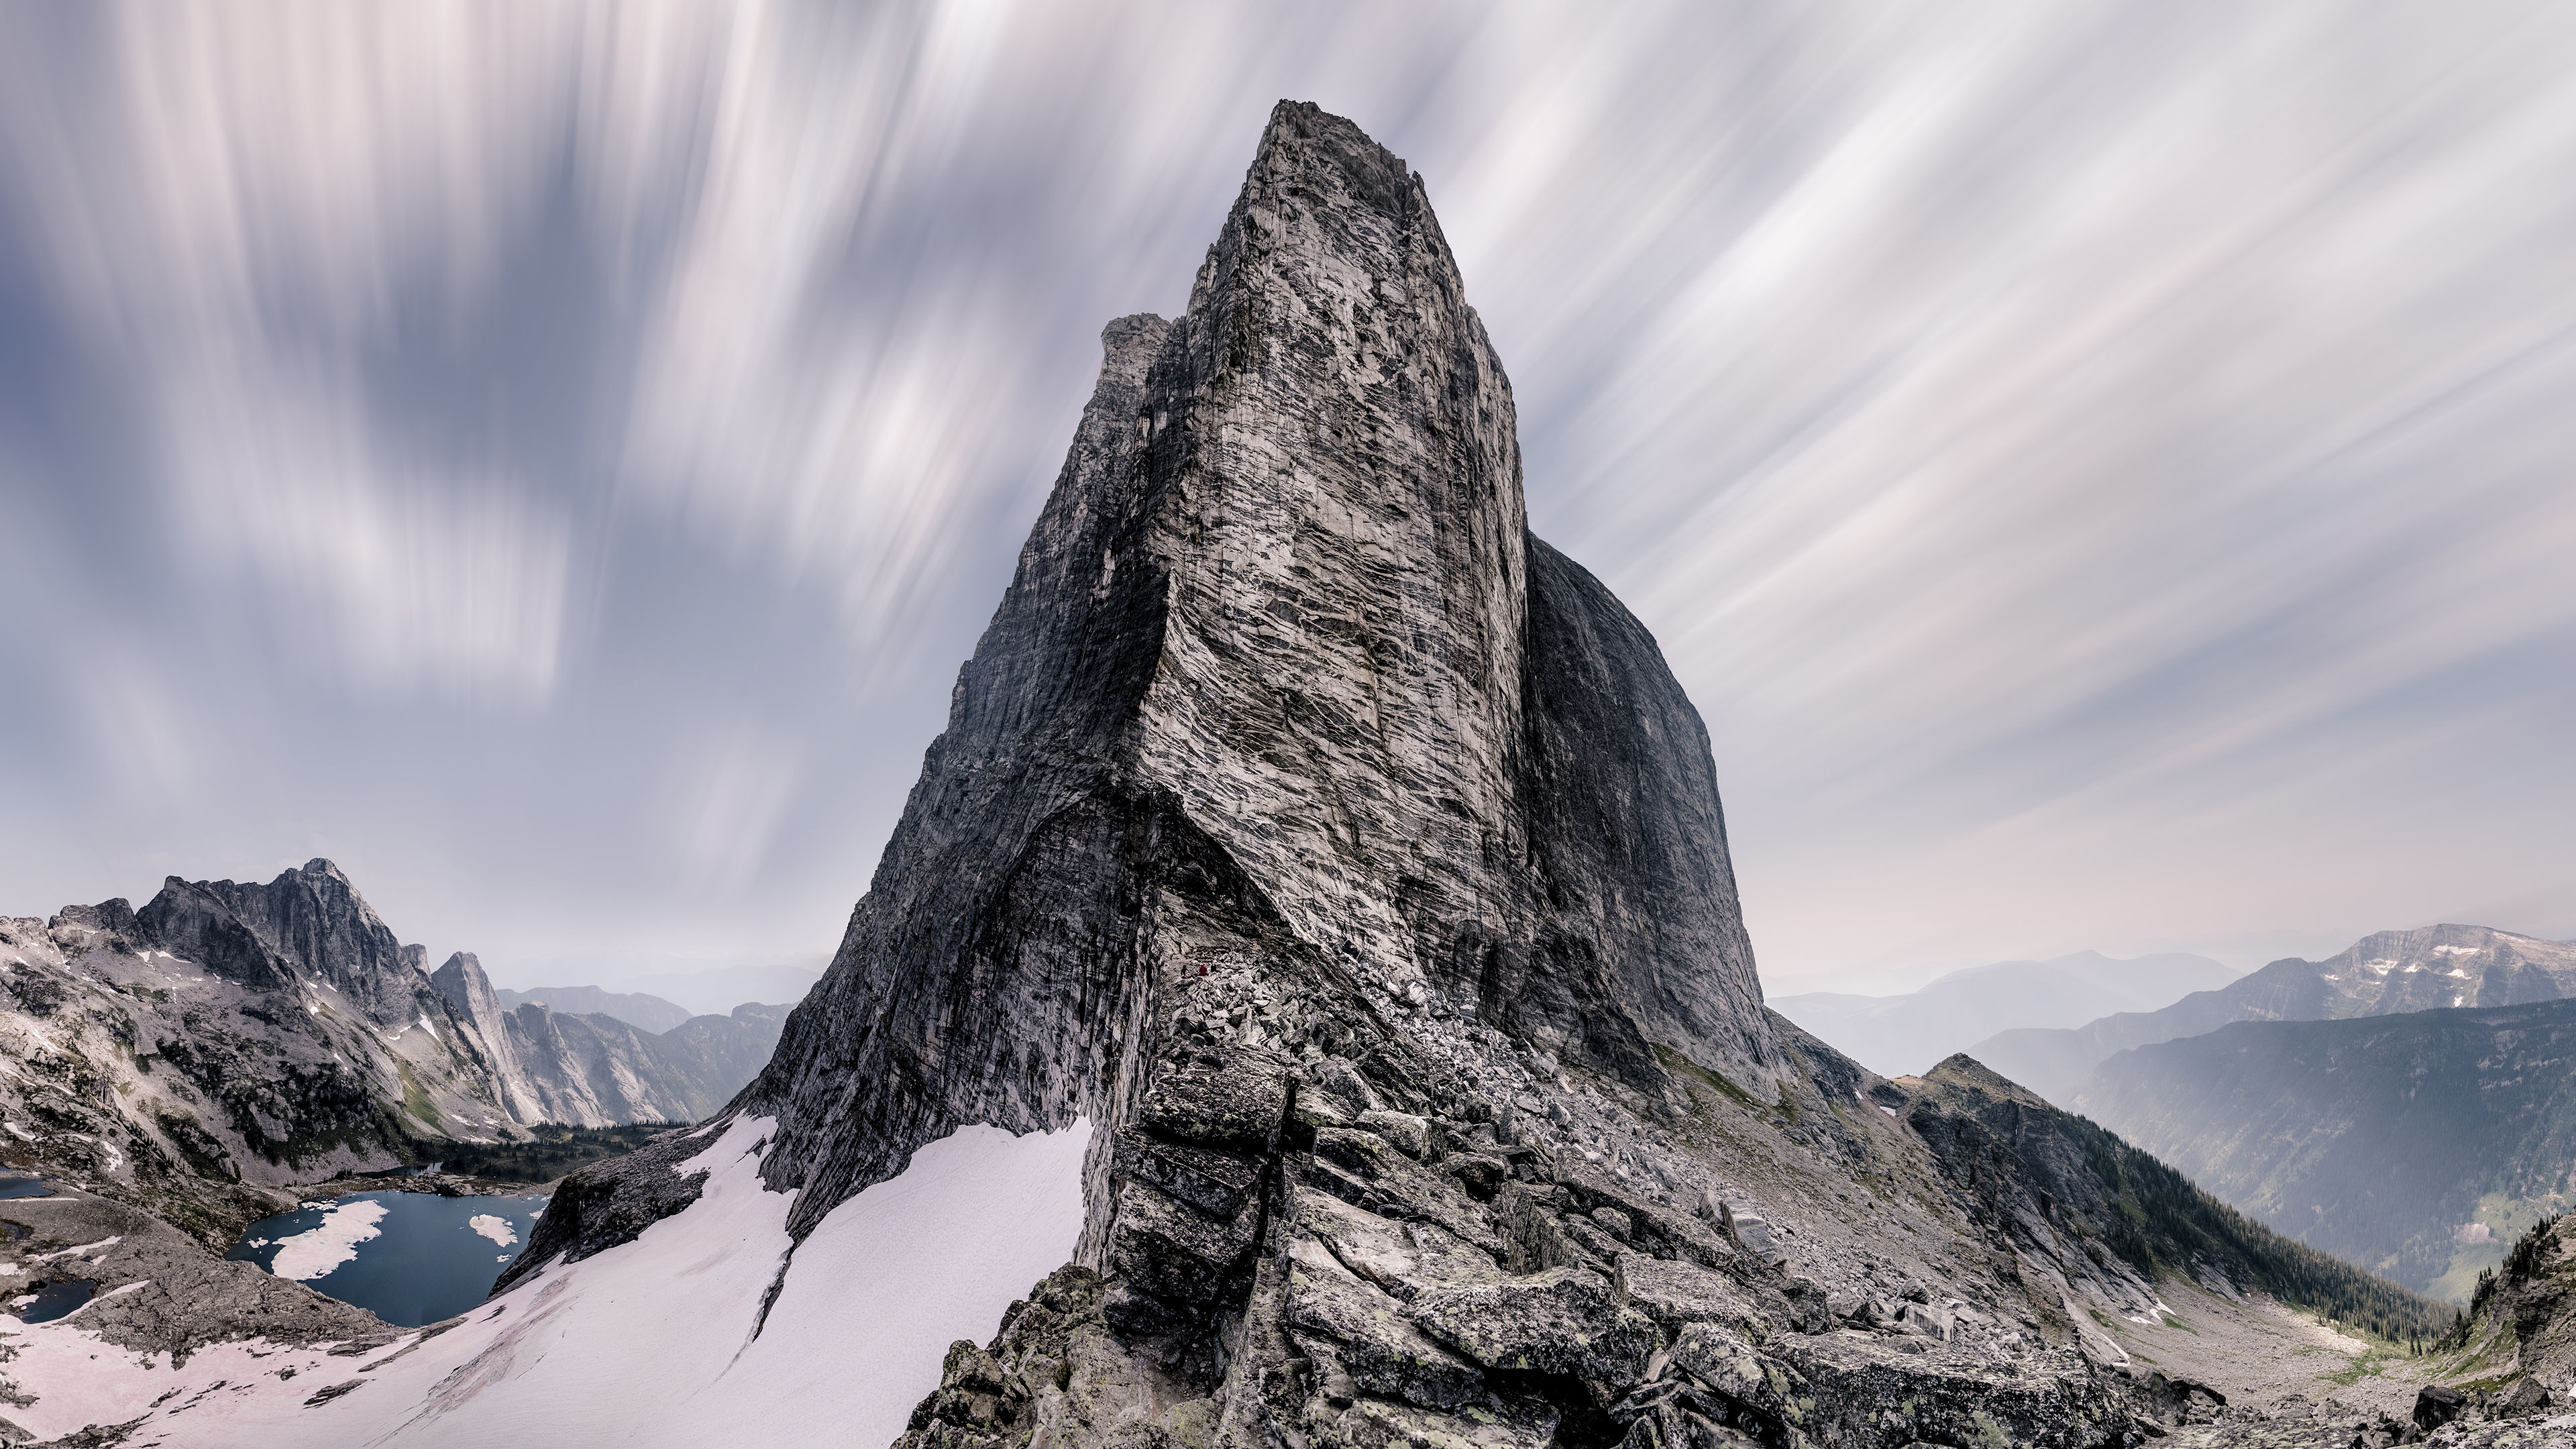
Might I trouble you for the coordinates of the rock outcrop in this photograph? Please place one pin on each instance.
(1283, 697)
(589, 1068)
(1352, 862)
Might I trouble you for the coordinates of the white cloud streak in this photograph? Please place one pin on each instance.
(2063, 448)
(728, 799)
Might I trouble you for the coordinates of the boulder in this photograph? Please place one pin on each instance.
(1810, 1307)
(1382, 1351)
(1925, 1321)
(1652, 1228)
(1216, 1183)
(1750, 1230)
(1564, 1321)
(1236, 1105)
(1341, 1083)
(1409, 1134)
(2436, 1405)
(1675, 1293)
(1480, 1174)
(1716, 1357)
(2527, 1396)
(1174, 1254)
(1854, 1388)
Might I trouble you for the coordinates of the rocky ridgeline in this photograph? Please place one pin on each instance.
(2388, 973)
(1352, 862)
(228, 1038)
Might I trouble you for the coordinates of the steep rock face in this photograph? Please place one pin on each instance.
(2523, 1320)
(315, 919)
(1353, 863)
(591, 1069)
(460, 982)
(1281, 686)
(2380, 975)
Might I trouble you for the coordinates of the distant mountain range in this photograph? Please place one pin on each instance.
(1904, 1035)
(2381, 975)
(232, 1036)
(635, 1008)
(2418, 1145)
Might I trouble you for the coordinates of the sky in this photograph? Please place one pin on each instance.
(2106, 473)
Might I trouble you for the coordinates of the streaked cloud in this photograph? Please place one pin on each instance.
(2100, 468)
(729, 795)
(401, 577)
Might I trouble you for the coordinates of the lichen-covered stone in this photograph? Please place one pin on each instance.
(1563, 1321)
(1409, 1134)
(1674, 1293)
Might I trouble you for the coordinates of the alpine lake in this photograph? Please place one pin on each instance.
(410, 1258)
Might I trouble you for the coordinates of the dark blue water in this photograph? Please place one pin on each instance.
(420, 1261)
(53, 1300)
(24, 1187)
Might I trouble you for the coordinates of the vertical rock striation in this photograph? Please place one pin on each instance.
(1282, 685)
(1352, 862)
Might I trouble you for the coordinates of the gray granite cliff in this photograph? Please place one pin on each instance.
(1352, 863)
(1282, 690)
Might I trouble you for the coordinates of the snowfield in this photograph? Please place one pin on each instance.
(649, 1343)
(322, 1248)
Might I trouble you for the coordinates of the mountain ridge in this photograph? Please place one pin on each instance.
(2381, 974)
(1347, 863)
(230, 1039)
(636, 1008)
(2382, 1138)
(1305, 1004)
(1910, 1031)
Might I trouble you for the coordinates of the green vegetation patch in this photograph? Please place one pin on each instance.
(415, 1099)
(1716, 1081)
(2164, 1224)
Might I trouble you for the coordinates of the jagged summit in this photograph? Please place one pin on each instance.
(1322, 884)
(1282, 686)
(235, 1036)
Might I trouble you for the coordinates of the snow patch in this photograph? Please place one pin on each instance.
(585, 1353)
(318, 1250)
